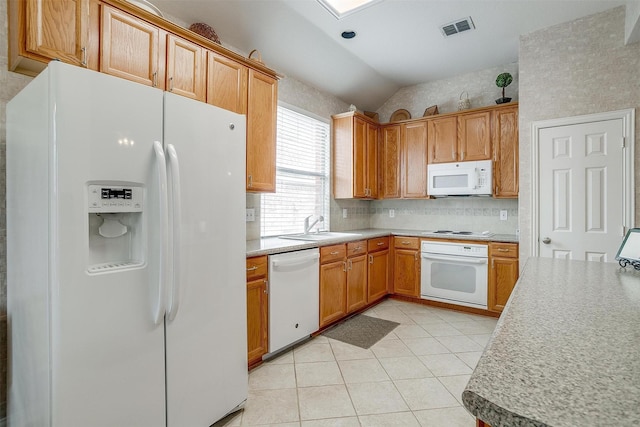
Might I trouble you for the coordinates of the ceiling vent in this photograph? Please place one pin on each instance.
(458, 26)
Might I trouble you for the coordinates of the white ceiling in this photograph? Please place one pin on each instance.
(398, 42)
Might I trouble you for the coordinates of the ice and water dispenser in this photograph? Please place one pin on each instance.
(116, 238)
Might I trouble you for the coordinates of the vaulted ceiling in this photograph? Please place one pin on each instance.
(398, 42)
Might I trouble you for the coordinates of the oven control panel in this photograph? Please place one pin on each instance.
(460, 249)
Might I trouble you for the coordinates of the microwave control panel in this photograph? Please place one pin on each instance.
(482, 178)
(115, 199)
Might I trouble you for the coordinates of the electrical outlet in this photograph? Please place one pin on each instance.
(344, 213)
(503, 215)
(392, 213)
(250, 215)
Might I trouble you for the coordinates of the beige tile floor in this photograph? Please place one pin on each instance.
(412, 377)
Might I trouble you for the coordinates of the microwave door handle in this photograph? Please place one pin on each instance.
(476, 183)
(456, 259)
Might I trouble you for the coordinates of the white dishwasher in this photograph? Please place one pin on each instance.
(293, 297)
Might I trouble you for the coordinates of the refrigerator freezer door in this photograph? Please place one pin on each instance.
(206, 345)
(106, 355)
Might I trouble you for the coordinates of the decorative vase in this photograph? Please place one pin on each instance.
(503, 100)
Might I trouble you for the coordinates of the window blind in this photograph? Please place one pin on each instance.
(302, 175)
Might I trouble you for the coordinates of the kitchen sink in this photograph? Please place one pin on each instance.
(318, 236)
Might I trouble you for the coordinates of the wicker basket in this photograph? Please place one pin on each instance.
(464, 103)
(205, 31)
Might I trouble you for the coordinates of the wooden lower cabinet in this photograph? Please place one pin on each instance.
(378, 269)
(503, 274)
(356, 283)
(333, 283)
(257, 308)
(406, 266)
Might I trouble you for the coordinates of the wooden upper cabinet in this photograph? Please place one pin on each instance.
(474, 136)
(390, 162)
(372, 160)
(414, 159)
(354, 157)
(505, 152)
(442, 138)
(58, 29)
(226, 83)
(44, 30)
(131, 48)
(262, 110)
(186, 68)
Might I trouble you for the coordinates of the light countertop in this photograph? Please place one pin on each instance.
(274, 245)
(566, 350)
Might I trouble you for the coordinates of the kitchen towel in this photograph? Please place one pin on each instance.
(362, 331)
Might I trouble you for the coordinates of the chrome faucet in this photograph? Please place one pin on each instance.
(308, 226)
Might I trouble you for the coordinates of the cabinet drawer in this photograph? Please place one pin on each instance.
(257, 267)
(356, 248)
(332, 253)
(406, 242)
(378, 244)
(506, 250)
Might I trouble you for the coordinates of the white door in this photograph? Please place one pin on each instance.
(581, 190)
(206, 327)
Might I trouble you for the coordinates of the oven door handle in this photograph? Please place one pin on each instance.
(456, 259)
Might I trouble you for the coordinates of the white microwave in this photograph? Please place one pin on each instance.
(460, 179)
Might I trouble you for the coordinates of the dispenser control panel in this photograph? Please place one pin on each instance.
(114, 199)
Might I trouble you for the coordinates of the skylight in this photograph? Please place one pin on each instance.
(342, 8)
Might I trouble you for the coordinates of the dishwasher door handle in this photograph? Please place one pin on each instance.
(295, 263)
(464, 260)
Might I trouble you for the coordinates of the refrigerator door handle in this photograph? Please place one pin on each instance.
(161, 168)
(176, 220)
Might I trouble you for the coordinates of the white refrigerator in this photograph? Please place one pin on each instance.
(125, 255)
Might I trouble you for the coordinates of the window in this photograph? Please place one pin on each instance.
(302, 176)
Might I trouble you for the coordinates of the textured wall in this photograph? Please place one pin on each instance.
(576, 68)
(480, 85)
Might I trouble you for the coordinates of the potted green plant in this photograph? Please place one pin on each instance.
(503, 80)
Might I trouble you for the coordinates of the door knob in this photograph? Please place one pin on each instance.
(546, 240)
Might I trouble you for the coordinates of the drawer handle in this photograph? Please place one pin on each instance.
(358, 248)
(254, 268)
(406, 243)
(334, 253)
(380, 243)
(503, 250)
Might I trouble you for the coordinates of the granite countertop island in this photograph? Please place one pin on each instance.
(566, 350)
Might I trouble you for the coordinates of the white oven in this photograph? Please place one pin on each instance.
(455, 273)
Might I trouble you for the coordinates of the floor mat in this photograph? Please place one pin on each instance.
(362, 331)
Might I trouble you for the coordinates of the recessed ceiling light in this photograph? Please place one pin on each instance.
(348, 34)
(342, 8)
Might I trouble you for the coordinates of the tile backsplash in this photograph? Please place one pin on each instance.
(455, 213)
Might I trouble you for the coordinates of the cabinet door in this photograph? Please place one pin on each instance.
(414, 160)
(372, 160)
(406, 272)
(443, 139)
(502, 278)
(356, 283)
(359, 158)
(186, 65)
(130, 48)
(58, 29)
(257, 319)
(474, 136)
(333, 292)
(226, 83)
(377, 275)
(505, 152)
(390, 162)
(262, 110)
